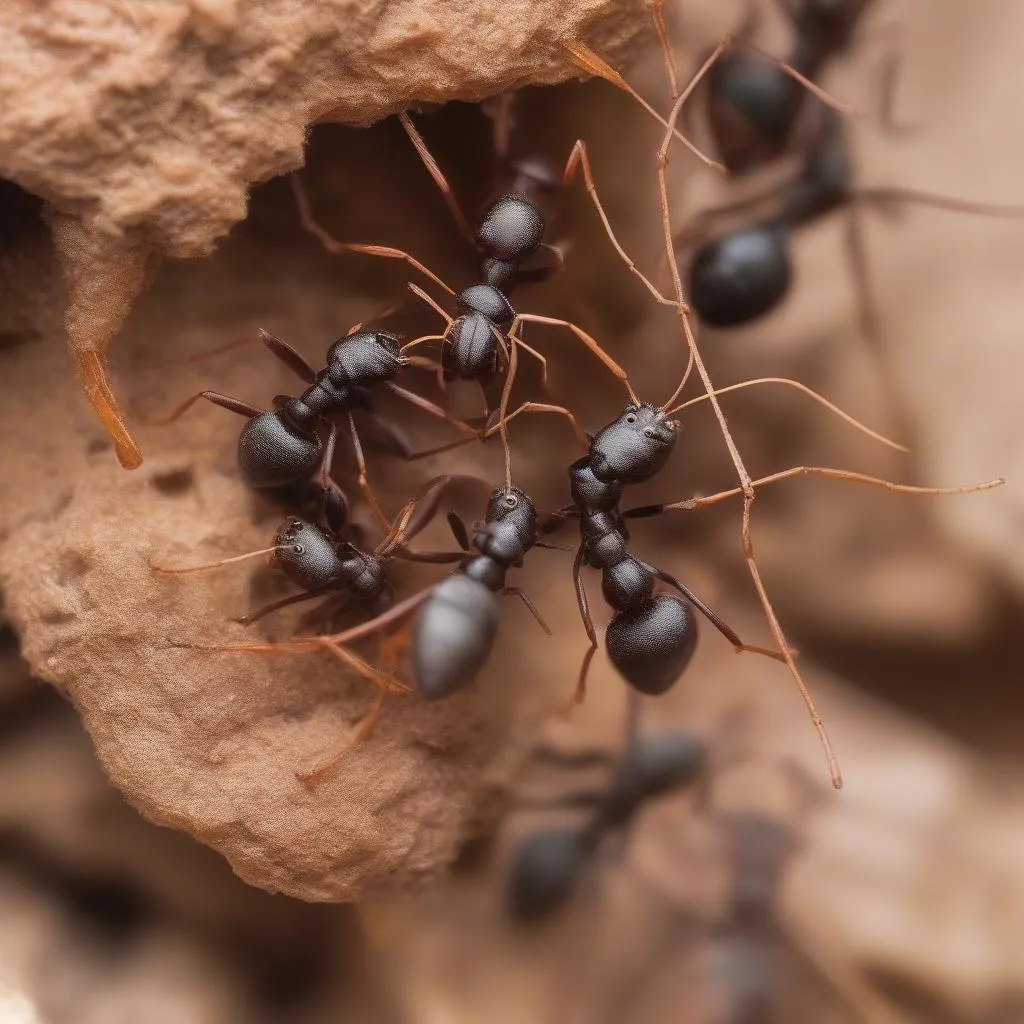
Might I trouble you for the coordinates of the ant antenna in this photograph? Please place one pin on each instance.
(747, 487)
(585, 58)
(810, 392)
(203, 566)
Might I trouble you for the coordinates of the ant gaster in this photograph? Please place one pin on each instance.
(754, 103)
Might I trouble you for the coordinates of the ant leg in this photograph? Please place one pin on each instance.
(531, 407)
(364, 481)
(578, 158)
(540, 359)
(459, 531)
(292, 359)
(224, 401)
(384, 682)
(658, 14)
(747, 488)
(438, 175)
(525, 598)
(585, 58)
(588, 624)
(332, 245)
(427, 406)
(587, 340)
(867, 314)
(710, 614)
(251, 617)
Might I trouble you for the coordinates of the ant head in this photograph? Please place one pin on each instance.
(634, 447)
(364, 359)
(741, 276)
(511, 229)
(510, 503)
(277, 449)
(545, 871)
(489, 302)
(305, 554)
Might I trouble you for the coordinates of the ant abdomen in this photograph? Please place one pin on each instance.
(471, 349)
(544, 873)
(651, 646)
(741, 276)
(751, 109)
(274, 453)
(306, 555)
(453, 636)
(510, 230)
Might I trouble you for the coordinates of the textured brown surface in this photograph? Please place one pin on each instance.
(917, 865)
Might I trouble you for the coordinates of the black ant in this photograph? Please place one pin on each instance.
(282, 449)
(550, 863)
(321, 563)
(508, 235)
(744, 274)
(455, 630)
(753, 104)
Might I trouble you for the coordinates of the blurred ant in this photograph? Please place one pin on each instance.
(753, 104)
(283, 448)
(551, 863)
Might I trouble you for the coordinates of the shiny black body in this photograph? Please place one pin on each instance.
(753, 105)
(744, 274)
(455, 629)
(283, 447)
(650, 638)
(551, 862)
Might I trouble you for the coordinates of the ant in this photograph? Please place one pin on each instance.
(455, 630)
(321, 563)
(747, 272)
(551, 862)
(282, 448)
(753, 104)
(508, 235)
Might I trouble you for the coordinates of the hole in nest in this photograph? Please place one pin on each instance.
(175, 481)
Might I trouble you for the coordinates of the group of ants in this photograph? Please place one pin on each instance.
(759, 110)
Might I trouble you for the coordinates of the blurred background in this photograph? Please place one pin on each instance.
(900, 898)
